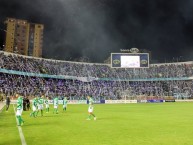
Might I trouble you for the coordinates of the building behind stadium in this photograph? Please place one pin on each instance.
(23, 37)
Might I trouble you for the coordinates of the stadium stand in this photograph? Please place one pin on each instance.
(34, 76)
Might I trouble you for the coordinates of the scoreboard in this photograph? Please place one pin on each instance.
(130, 60)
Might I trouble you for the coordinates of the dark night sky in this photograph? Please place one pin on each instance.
(95, 28)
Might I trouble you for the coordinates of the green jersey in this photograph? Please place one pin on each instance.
(41, 101)
(55, 102)
(91, 102)
(34, 102)
(46, 101)
(19, 103)
(65, 101)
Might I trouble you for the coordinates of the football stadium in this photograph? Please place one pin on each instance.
(96, 72)
(130, 105)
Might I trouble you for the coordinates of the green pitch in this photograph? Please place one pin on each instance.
(119, 124)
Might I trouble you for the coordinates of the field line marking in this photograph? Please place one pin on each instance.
(23, 142)
(2, 107)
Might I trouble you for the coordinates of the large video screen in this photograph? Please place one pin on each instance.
(129, 60)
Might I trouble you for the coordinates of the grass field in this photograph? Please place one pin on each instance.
(119, 124)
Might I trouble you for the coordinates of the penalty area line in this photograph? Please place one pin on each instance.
(23, 142)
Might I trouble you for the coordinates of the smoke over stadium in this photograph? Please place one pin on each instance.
(56, 90)
(84, 28)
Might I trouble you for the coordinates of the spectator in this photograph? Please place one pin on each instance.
(27, 104)
(108, 83)
(7, 103)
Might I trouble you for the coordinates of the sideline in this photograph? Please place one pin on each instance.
(2, 105)
(23, 142)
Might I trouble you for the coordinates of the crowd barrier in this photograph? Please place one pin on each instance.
(115, 101)
(155, 101)
(88, 79)
(184, 100)
(119, 101)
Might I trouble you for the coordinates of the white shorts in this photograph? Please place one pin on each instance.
(18, 113)
(65, 106)
(47, 105)
(34, 108)
(90, 109)
(21, 111)
(55, 106)
(40, 107)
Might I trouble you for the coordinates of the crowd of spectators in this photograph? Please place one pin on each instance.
(36, 86)
(55, 67)
(99, 89)
(75, 89)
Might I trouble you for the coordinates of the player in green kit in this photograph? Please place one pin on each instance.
(19, 109)
(47, 104)
(55, 102)
(90, 108)
(34, 107)
(40, 105)
(65, 101)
